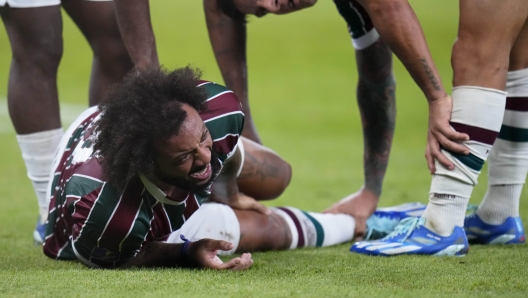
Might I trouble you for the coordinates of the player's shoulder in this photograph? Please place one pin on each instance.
(213, 89)
(220, 101)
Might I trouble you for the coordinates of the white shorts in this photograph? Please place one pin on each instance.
(33, 3)
(213, 221)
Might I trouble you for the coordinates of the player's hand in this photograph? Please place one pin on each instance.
(203, 253)
(360, 205)
(243, 202)
(440, 132)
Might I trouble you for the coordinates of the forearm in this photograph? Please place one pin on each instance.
(159, 254)
(376, 101)
(398, 26)
(228, 40)
(133, 17)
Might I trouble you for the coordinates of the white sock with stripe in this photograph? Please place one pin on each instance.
(38, 150)
(478, 112)
(508, 160)
(309, 229)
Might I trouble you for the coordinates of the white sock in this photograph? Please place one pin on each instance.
(309, 229)
(444, 212)
(508, 160)
(499, 203)
(478, 112)
(38, 150)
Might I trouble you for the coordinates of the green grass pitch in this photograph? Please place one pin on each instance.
(302, 89)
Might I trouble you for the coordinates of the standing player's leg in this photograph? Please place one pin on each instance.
(97, 21)
(35, 34)
(497, 221)
(480, 63)
(376, 101)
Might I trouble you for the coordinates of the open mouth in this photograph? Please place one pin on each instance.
(201, 176)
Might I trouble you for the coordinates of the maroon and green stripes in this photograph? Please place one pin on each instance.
(301, 228)
(513, 133)
(476, 134)
(224, 118)
(318, 229)
(90, 221)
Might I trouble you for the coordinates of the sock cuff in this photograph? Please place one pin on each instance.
(41, 145)
(480, 110)
(516, 75)
(366, 40)
(291, 225)
(309, 231)
(451, 185)
(467, 88)
(40, 136)
(517, 83)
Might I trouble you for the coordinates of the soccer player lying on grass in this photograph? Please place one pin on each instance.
(129, 174)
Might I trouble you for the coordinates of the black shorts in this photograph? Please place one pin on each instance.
(360, 25)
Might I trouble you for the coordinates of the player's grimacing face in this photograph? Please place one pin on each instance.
(260, 8)
(187, 155)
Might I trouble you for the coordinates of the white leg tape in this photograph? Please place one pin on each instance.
(213, 221)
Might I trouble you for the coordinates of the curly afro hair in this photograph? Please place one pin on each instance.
(142, 111)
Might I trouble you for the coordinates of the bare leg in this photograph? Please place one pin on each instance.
(97, 21)
(518, 54)
(376, 100)
(289, 227)
(264, 175)
(480, 58)
(485, 38)
(35, 35)
(508, 162)
(259, 232)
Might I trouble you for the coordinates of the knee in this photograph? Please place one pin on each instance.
(286, 173)
(284, 178)
(471, 57)
(43, 57)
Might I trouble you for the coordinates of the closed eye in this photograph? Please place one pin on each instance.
(204, 135)
(182, 159)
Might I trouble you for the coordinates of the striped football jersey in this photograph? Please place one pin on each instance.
(89, 221)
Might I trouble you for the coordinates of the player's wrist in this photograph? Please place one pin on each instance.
(436, 96)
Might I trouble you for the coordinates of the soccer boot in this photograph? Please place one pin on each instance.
(412, 237)
(39, 233)
(479, 232)
(385, 219)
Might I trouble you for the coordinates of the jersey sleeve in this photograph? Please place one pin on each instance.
(224, 118)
